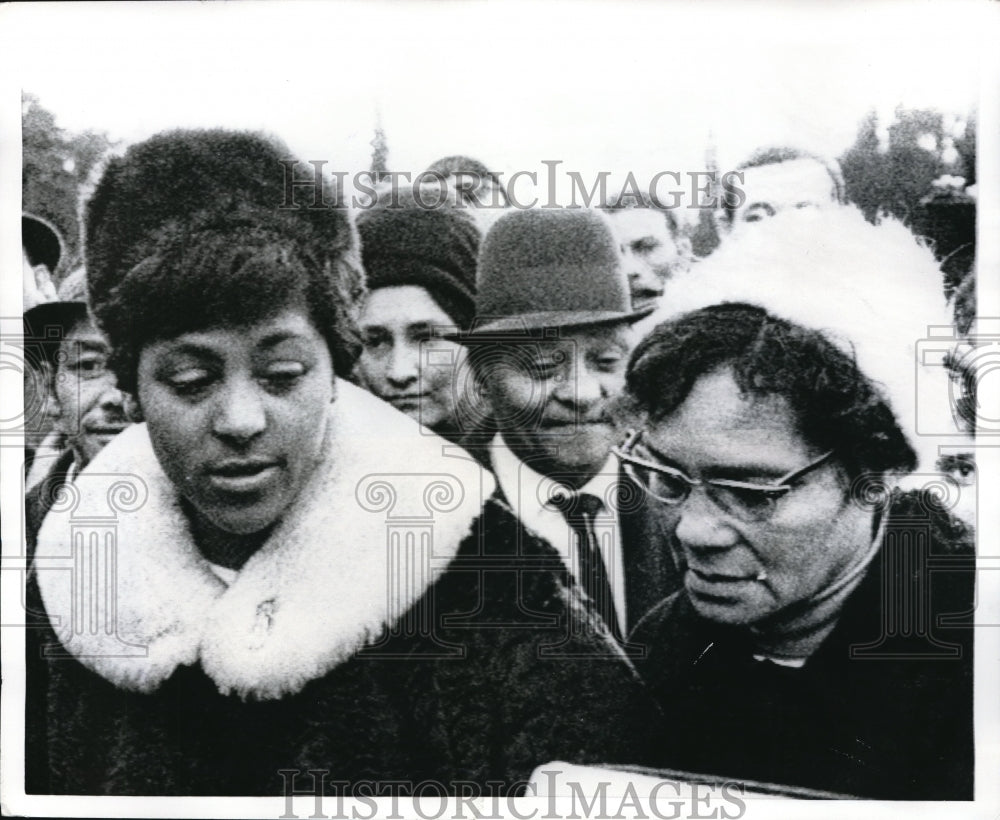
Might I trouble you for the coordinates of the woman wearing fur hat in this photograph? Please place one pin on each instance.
(823, 635)
(300, 579)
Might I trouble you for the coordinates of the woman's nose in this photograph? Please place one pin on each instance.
(404, 364)
(241, 413)
(702, 526)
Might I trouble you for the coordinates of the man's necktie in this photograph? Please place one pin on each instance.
(580, 510)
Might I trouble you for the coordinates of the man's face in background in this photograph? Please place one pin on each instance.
(650, 252)
(783, 186)
(90, 407)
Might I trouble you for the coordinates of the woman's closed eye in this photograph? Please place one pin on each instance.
(421, 333)
(376, 339)
(284, 375)
(190, 381)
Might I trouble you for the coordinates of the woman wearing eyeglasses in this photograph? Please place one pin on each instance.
(807, 645)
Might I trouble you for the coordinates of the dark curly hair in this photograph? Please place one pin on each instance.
(198, 229)
(835, 405)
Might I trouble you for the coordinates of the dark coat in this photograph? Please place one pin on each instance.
(883, 709)
(492, 668)
(37, 502)
(39, 499)
(650, 572)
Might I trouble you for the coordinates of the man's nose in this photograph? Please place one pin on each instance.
(642, 279)
(582, 385)
(111, 397)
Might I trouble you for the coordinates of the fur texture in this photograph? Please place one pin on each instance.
(302, 604)
(478, 669)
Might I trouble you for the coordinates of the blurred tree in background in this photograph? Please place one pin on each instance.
(920, 168)
(57, 168)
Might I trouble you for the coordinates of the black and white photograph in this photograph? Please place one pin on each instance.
(455, 409)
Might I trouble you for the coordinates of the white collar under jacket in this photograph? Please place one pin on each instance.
(322, 586)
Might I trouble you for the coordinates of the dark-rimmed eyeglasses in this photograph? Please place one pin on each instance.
(744, 500)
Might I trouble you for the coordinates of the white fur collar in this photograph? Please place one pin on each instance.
(314, 594)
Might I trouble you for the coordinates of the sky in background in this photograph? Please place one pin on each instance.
(638, 86)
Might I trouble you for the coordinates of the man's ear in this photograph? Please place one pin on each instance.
(133, 410)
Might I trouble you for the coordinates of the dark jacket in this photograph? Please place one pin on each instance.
(883, 709)
(39, 499)
(650, 572)
(362, 639)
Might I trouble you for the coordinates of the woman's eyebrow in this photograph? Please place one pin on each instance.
(659, 456)
(195, 349)
(738, 471)
(277, 337)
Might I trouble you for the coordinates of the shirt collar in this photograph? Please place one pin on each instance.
(528, 491)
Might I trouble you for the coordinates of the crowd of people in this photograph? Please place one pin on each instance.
(448, 493)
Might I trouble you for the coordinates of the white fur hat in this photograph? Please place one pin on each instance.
(873, 289)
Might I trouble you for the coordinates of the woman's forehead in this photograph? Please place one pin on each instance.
(717, 423)
(402, 305)
(289, 322)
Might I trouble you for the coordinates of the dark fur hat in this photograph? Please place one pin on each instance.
(182, 181)
(210, 200)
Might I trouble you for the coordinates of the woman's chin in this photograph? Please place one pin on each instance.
(246, 521)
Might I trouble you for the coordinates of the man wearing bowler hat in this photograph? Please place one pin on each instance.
(549, 346)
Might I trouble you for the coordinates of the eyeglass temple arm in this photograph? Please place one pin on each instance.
(782, 485)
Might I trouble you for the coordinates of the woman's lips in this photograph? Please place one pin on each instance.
(407, 402)
(243, 476)
(718, 583)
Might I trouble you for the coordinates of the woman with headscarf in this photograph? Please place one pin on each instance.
(419, 255)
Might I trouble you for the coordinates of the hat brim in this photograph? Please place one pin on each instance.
(41, 241)
(531, 324)
(52, 314)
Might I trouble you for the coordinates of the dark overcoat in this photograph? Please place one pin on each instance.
(882, 709)
(395, 628)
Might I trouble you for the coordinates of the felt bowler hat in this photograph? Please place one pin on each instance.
(547, 269)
